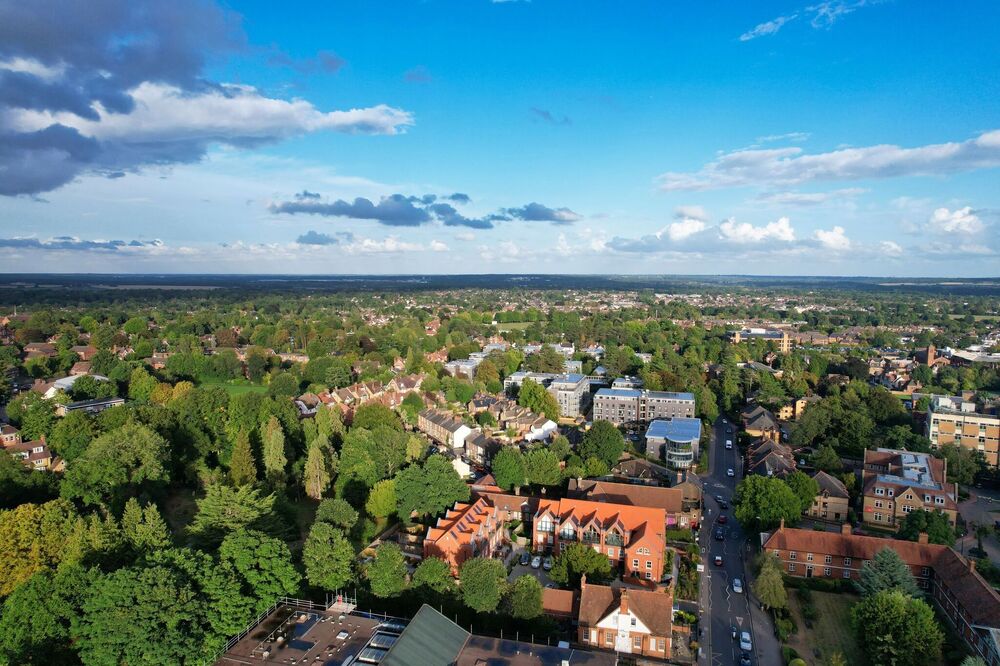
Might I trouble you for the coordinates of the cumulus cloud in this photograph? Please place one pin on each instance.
(692, 212)
(316, 238)
(790, 166)
(400, 210)
(116, 85)
(536, 212)
(744, 232)
(683, 228)
(959, 221)
(891, 248)
(389, 245)
(767, 28)
(74, 244)
(834, 239)
(438, 246)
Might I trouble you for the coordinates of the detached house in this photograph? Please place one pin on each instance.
(833, 501)
(632, 537)
(636, 622)
(894, 483)
(761, 423)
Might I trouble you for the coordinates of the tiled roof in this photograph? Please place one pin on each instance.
(559, 602)
(654, 609)
(631, 518)
(833, 486)
(978, 599)
(668, 499)
(855, 546)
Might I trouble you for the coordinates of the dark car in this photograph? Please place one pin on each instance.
(722, 519)
(525, 558)
(720, 535)
(745, 659)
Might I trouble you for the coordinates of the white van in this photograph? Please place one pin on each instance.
(729, 443)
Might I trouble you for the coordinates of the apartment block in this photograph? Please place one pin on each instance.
(468, 530)
(953, 420)
(674, 440)
(894, 483)
(632, 537)
(572, 392)
(780, 339)
(635, 407)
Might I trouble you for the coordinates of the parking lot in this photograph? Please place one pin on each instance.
(519, 570)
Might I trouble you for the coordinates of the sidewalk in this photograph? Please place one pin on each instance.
(767, 648)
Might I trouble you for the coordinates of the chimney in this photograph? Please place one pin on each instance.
(623, 609)
(782, 526)
(930, 354)
(845, 529)
(922, 537)
(583, 582)
(972, 565)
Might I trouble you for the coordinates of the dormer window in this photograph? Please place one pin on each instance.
(880, 491)
(891, 492)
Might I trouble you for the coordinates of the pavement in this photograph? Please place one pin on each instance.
(979, 509)
(721, 608)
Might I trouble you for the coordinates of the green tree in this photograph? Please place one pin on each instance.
(897, 630)
(144, 527)
(488, 374)
(225, 509)
(769, 586)
(372, 414)
(761, 503)
(33, 414)
(263, 565)
(934, 523)
(603, 441)
(524, 598)
(963, 464)
(118, 464)
(316, 476)
(484, 581)
(72, 434)
(338, 513)
(274, 452)
(433, 573)
(509, 468)
(578, 560)
(543, 467)
(886, 571)
(381, 501)
(805, 488)
(36, 537)
(386, 573)
(533, 396)
(428, 489)
(328, 557)
(826, 459)
(242, 466)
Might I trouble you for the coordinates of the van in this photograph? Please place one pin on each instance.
(729, 443)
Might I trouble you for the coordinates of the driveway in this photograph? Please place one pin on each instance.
(519, 570)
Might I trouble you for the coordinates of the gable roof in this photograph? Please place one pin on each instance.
(833, 486)
(977, 597)
(653, 609)
(657, 497)
(429, 638)
(855, 546)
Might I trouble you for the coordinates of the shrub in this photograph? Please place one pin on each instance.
(797, 662)
(788, 654)
(784, 627)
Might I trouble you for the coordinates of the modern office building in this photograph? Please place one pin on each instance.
(780, 338)
(634, 407)
(674, 440)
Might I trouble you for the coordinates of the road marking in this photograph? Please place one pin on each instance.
(739, 621)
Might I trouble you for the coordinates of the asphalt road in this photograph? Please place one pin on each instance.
(722, 608)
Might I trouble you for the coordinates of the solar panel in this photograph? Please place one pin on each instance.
(371, 655)
(383, 640)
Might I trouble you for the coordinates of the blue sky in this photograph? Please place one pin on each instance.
(832, 137)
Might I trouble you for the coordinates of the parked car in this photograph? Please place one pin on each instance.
(730, 472)
(729, 443)
(718, 560)
(745, 659)
(723, 519)
(536, 561)
(547, 563)
(745, 642)
(723, 504)
(737, 586)
(719, 534)
(525, 558)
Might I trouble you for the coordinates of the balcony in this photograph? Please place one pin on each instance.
(567, 536)
(614, 540)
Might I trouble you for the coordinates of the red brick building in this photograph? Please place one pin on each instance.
(628, 621)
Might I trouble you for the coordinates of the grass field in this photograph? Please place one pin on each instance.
(236, 389)
(831, 633)
(513, 326)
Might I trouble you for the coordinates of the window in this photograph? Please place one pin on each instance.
(847, 561)
(847, 573)
(891, 492)
(924, 571)
(927, 499)
(635, 563)
(608, 638)
(828, 559)
(637, 642)
(662, 645)
(880, 491)
(878, 517)
(793, 555)
(585, 635)
(649, 564)
(791, 566)
(878, 504)
(809, 557)
(826, 571)
(939, 500)
(633, 621)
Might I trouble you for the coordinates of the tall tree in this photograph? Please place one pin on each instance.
(543, 467)
(382, 499)
(580, 560)
(509, 468)
(263, 565)
(338, 513)
(603, 441)
(484, 581)
(761, 502)
(36, 537)
(886, 571)
(769, 586)
(897, 630)
(372, 414)
(534, 397)
(144, 527)
(225, 509)
(328, 557)
(242, 466)
(316, 477)
(934, 523)
(433, 573)
(805, 488)
(274, 452)
(386, 573)
(428, 489)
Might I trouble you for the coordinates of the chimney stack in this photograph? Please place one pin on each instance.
(583, 582)
(623, 609)
(782, 526)
(972, 565)
(922, 537)
(845, 529)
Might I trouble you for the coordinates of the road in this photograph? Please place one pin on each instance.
(721, 607)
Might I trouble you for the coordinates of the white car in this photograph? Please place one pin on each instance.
(745, 643)
(737, 586)
(729, 443)
(536, 561)
(730, 472)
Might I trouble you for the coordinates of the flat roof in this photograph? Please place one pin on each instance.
(678, 429)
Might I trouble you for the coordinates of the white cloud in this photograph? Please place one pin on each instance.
(959, 221)
(744, 232)
(683, 228)
(891, 248)
(233, 114)
(793, 137)
(767, 28)
(438, 246)
(465, 236)
(809, 198)
(835, 239)
(33, 67)
(693, 212)
(789, 166)
(390, 244)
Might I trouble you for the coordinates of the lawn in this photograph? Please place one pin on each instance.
(237, 388)
(831, 633)
(513, 326)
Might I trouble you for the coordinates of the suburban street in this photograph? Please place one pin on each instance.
(722, 608)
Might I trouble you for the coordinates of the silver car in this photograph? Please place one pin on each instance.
(737, 586)
(745, 642)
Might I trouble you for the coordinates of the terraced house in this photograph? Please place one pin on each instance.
(631, 536)
(468, 530)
